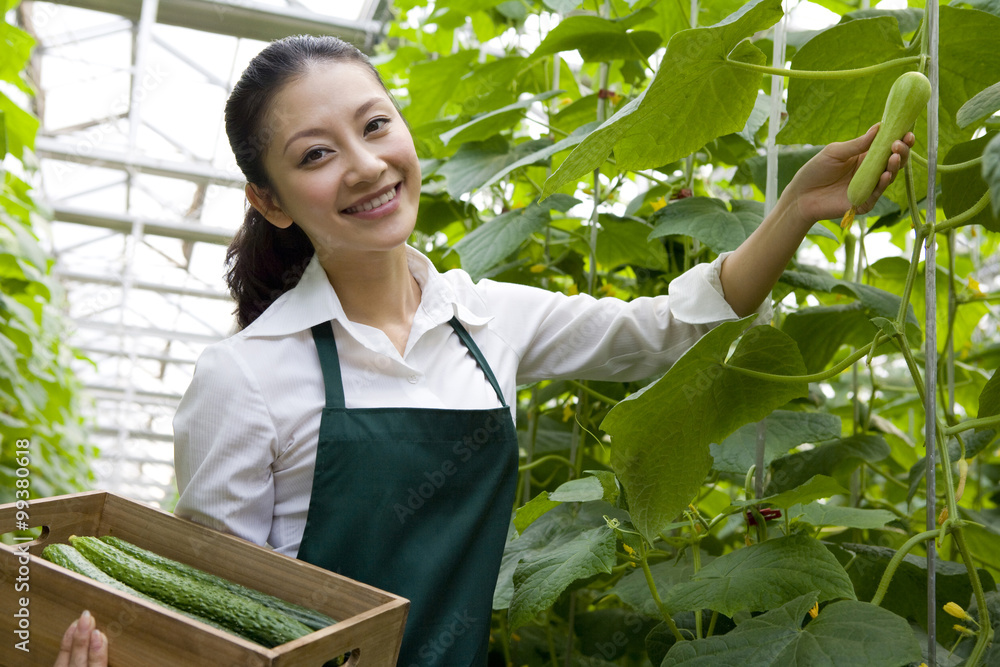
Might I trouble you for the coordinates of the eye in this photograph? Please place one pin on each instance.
(314, 154)
(376, 124)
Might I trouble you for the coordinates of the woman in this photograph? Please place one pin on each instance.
(83, 645)
(362, 417)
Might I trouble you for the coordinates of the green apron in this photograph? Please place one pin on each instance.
(417, 502)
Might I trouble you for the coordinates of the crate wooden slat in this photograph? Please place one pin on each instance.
(143, 634)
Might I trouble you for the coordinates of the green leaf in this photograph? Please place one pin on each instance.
(709, 221)
(785, 430)
(19, 127)
(983, 104)
(907, 593)
(763, 576)
(599, 39)
(528, 513)
(664, 431)
(487, 245)
(825, 514)
(989, 398)
(633, 590)
(543, 154)
(432, 83)
(578, 490)
(478, 162)
(844, 633)
(539, 581)
(820, 331)
(695, 97)
(991, 172)
(818, 486)
(961, 190)
(487, 124)
(828, 458)
(621, 242)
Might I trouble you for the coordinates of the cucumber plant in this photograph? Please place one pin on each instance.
(606, 147)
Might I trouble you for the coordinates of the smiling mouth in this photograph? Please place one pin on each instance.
(375, 202)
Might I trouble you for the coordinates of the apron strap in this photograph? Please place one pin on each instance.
(478, 356)
(329, 362)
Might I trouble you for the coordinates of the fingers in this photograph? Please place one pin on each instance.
(83, 645)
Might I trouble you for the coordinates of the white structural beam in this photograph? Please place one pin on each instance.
(242, 18)
(187, 231)
(93, 156)
(116, 281)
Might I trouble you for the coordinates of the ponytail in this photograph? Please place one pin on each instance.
(263, 262)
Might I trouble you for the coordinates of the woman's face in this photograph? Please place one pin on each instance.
(341, 162)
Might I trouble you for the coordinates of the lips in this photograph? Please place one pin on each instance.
(374, 202)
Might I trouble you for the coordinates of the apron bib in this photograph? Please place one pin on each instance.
(417, 502)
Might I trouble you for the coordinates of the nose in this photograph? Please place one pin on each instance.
(366, 165)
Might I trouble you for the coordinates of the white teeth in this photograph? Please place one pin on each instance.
(374, 203)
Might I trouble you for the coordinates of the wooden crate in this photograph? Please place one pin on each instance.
(142, 634)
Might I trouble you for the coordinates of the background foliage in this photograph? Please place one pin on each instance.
(39, 395)
(608, 146)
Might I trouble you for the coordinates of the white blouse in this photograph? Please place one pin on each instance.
(245, 432)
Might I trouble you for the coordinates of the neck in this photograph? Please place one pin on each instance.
(377, 289)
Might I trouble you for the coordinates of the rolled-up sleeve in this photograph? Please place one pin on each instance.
(224, 446)
(559, 336)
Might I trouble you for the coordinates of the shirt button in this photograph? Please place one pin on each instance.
(412, 379)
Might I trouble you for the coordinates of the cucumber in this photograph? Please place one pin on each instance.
(65, 555)
(234, 612)
(907, 98)
(309, 617)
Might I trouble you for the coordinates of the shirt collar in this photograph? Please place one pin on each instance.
(313, 301)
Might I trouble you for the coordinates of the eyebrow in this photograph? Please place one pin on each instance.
(313, 131)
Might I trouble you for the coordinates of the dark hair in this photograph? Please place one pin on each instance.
(265, 261)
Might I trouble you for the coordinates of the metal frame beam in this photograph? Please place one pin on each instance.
(187, 231)
(242, 18)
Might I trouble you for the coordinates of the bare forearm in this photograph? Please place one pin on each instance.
(751, 271)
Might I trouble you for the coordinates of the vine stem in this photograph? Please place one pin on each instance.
(656, 598)
(958, 166)
(897, 558)
(964, 216)
(826, 74)
(815, 377)
(985, 627)
(993, 420)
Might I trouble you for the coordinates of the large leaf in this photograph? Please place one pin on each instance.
(633, 589)
(622, 242)
(695, 97)
(961, 190)
(907, 593)
(709, 220)
(785, 430)
(479, 162)
(431, 85)
(539, 581)
(829, 458)
(825, 514)
(984, 104)
(487, 245)
(991, 172)
(844, 633)
(487, 124)
(660, 437)
(763, 576)
(989, 399)
(599, 39)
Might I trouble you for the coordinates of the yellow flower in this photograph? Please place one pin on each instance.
(573, 289)
(537, 268)
(629, 550)
(659, 203)
(607, 289)
(955, 609)
(814, 612)
(568, 411)
(974, 286)
(964, 630)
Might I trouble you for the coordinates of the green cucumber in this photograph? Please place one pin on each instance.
(309, 617)
(238, 614)
(907, 98)
(65, 555)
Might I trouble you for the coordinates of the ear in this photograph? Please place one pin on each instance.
(267, 206)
